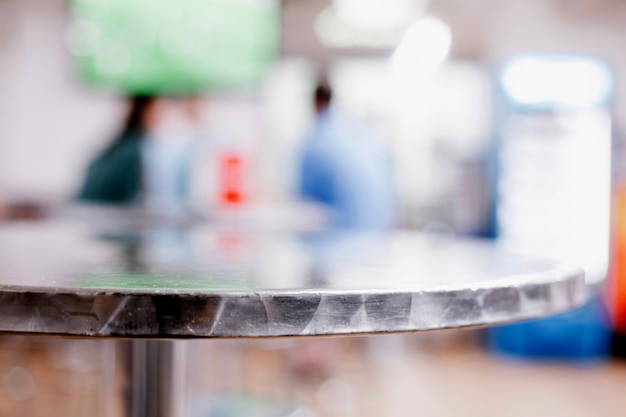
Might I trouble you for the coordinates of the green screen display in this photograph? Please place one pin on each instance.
(173, 46)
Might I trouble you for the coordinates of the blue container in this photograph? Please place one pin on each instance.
(582, 335)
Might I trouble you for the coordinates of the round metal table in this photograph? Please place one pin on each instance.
(61, 278)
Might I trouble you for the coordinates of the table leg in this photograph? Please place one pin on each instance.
(155, 374)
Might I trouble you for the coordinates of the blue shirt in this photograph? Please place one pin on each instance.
(345, 168)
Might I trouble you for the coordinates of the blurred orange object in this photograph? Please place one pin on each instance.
(232, 180)
(618, 275)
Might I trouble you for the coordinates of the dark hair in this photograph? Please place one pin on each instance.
(115, 175)
(135, 119)
(323, 94)
(133, 128)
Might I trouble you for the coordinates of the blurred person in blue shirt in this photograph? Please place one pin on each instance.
(345, 167)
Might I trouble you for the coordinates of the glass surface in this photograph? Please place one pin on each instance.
(209, 258)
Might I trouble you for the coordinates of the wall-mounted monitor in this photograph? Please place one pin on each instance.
(173, 46)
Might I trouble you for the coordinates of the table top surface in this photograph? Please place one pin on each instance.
(64, 278)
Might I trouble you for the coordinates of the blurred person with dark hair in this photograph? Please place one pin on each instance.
(114, 177)
(346, 168)
(321, 98)
(149, 162)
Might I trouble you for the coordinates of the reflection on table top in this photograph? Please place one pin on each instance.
(61, 277)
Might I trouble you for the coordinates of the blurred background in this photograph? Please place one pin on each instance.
(482, 118)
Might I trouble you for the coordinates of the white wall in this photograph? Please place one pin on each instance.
(49, 124)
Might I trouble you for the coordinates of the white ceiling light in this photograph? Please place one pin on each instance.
(422, 50)
(378, 15)
(333, 32)
(560, 80)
